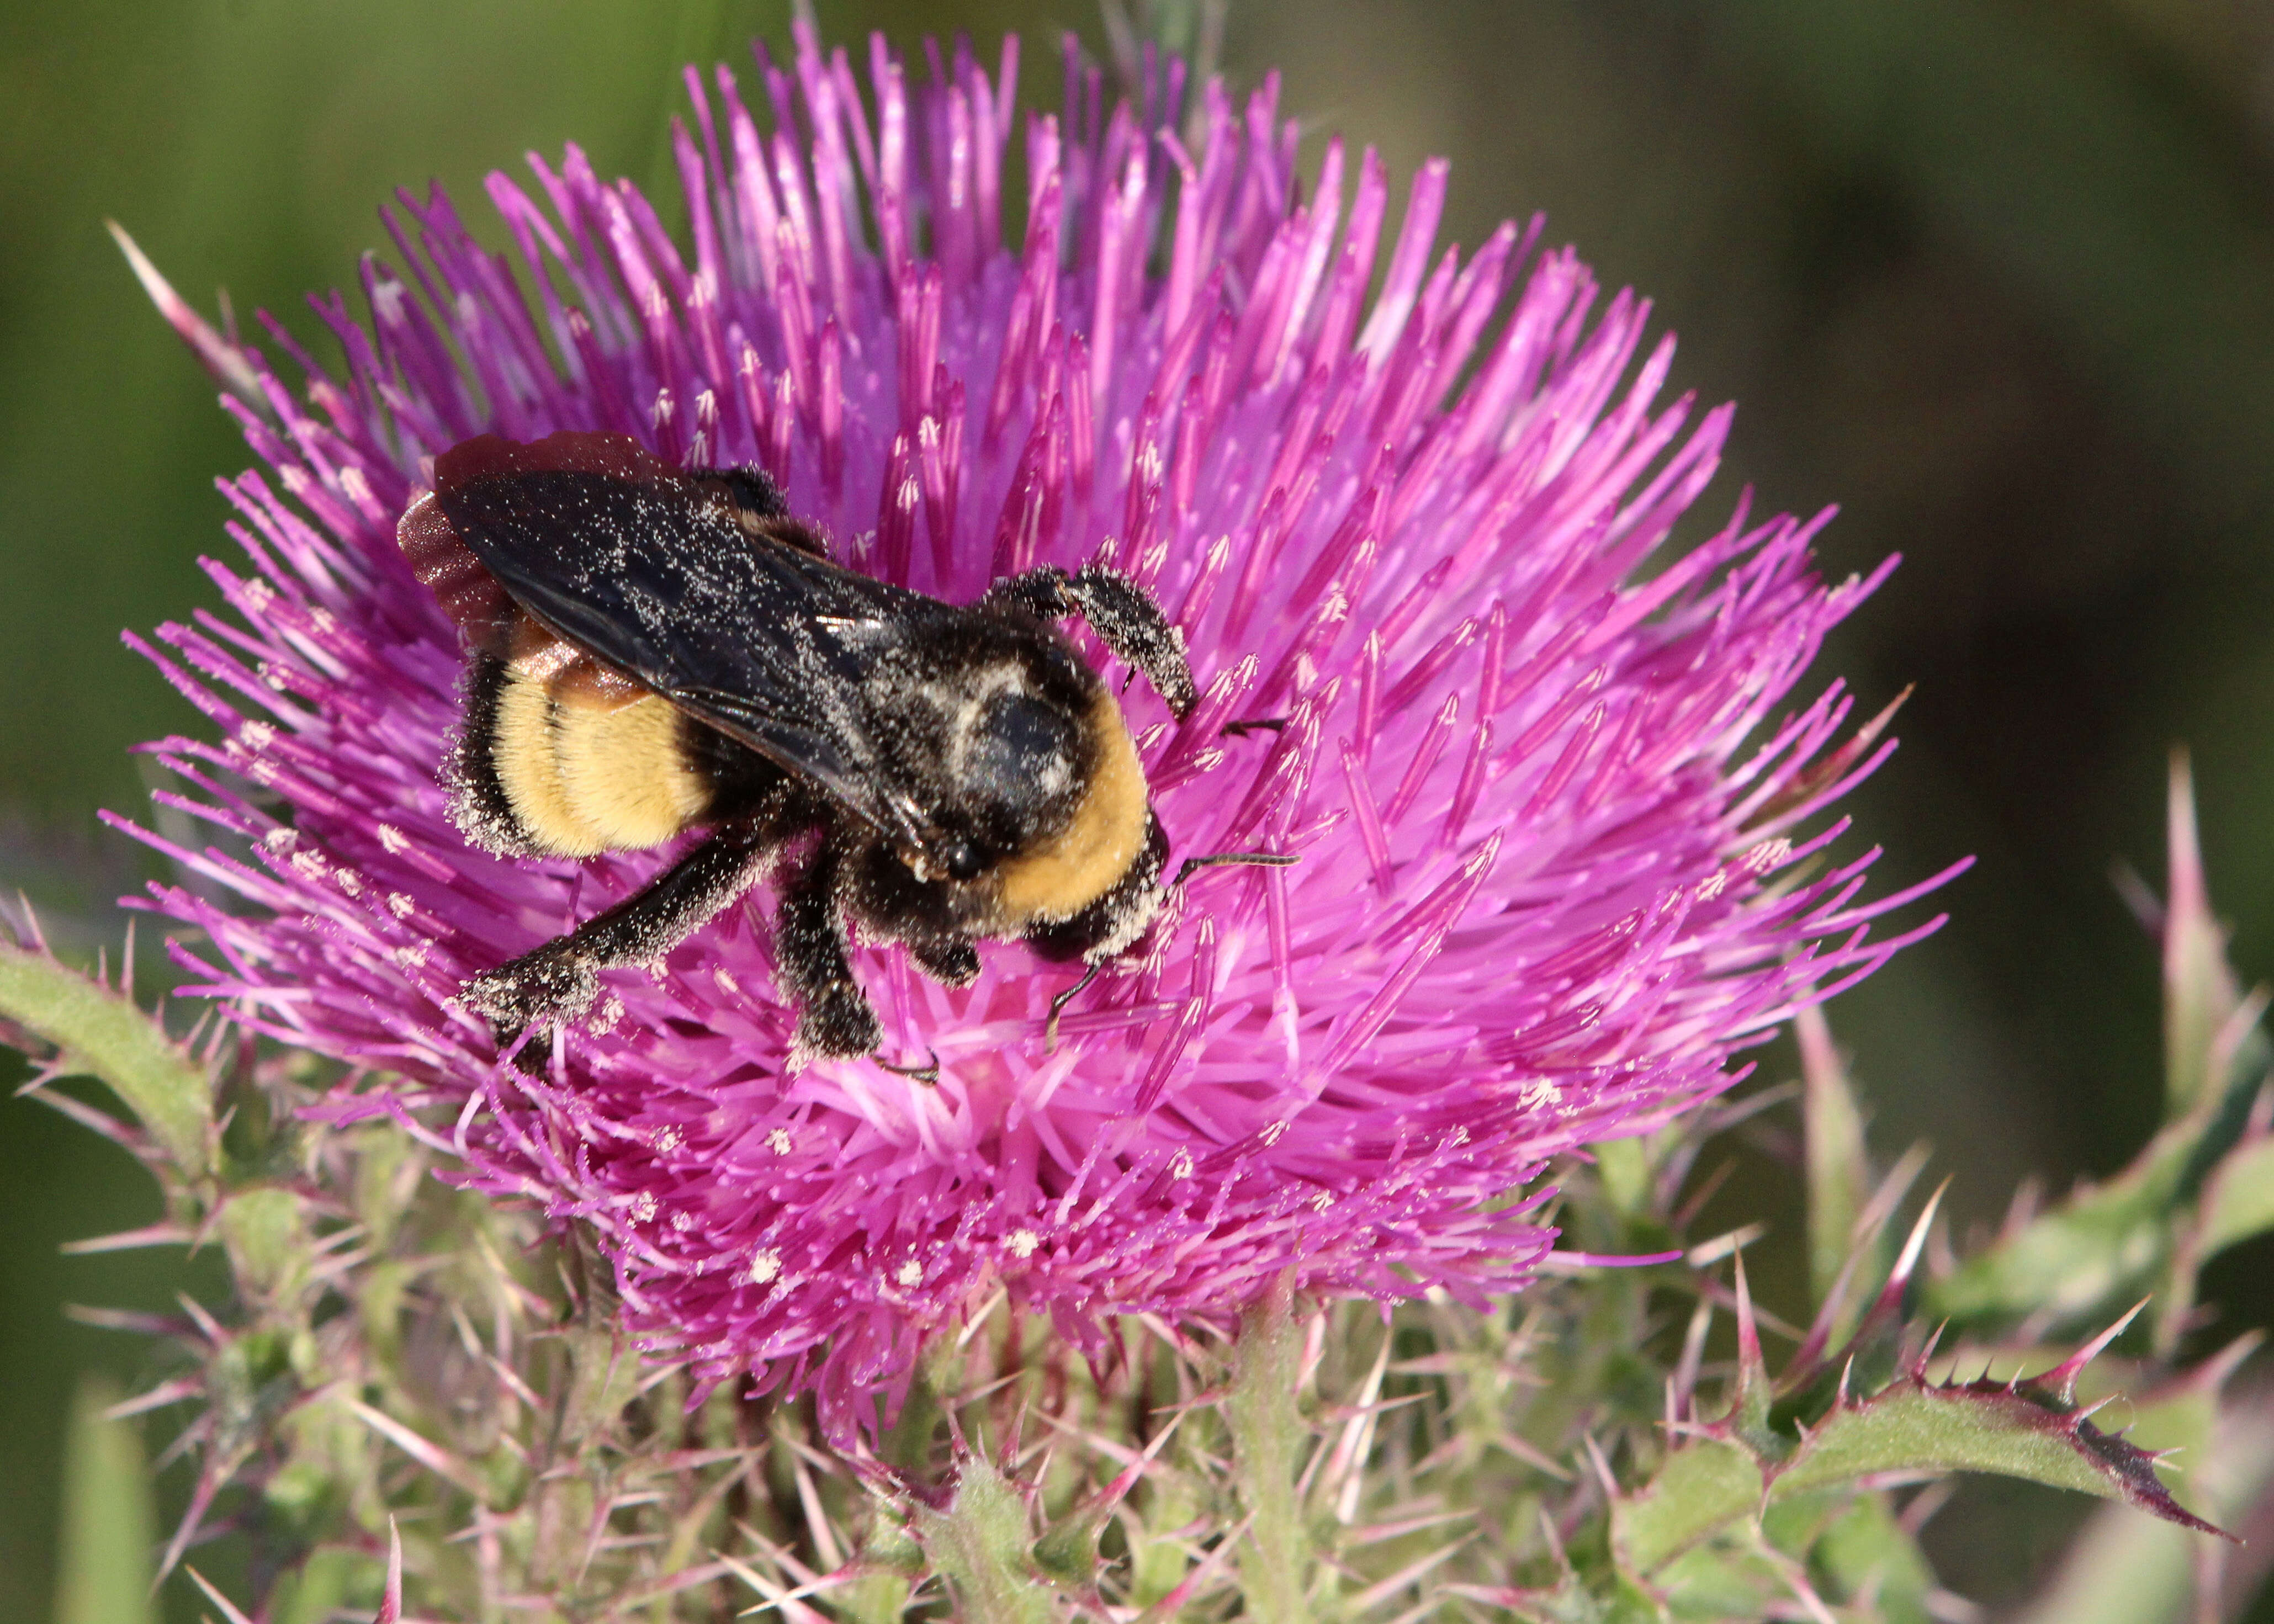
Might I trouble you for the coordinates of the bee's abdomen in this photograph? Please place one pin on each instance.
(562, 756)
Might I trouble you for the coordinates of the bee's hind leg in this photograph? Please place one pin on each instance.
(561, 978)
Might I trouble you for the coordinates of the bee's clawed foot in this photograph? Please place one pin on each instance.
(950, 964)
(537, 989)
(836, 1024)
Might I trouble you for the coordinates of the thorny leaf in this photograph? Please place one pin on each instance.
(1722, 1480)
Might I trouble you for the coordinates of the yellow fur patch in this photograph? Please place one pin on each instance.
(622, 769)
(529, 772)
(1058, 880)
(589, 768)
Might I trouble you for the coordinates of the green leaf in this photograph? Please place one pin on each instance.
(268, 1242)
(103, 1034)
(1866, 1552)
(1715, 1483)
(1838, 1171)
(2015, 1431)
(109, 1526)
(1704, 1487)
(2201, 994)
(1623, 1165)
(2074, 1261)
(2127, 1570)
(2238, 1201)
(981, 1543)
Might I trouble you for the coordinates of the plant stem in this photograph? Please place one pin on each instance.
(1268, 1435)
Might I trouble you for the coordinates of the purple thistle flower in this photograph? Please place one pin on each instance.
(1548, 880)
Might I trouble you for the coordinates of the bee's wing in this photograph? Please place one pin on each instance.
(762, 640)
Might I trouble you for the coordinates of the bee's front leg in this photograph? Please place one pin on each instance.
(1122, 613)
(561, 978)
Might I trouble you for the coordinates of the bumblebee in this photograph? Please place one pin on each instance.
(658, 649)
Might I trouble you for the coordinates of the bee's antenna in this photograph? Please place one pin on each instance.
(1058, 1003)
(1226, 860)
(927, 1074)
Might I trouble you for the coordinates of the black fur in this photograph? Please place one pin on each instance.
(479, 804)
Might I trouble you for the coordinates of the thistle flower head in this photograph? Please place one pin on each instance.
(1552, 849)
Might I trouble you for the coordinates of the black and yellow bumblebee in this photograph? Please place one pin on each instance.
(656, 649)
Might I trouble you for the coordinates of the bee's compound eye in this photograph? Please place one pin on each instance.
(963, 860)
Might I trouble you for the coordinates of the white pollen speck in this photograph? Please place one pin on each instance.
(1022, 1243)
(256, 735)
(683, 1221)
(412, 957)
(281, 840)
(272, 678)
(1322, 1200)
(323, 620)
(1712, 886)
(1180, 1165)
(779, 1141)
(393, 839)
(1541, 1092)
(350, 882)
(643, 1208)
(308, 864)
(727, 984)
(668, 1139)
(765, 1267)
(259, 595)
(1457, 1138)
(909, 1273)
(399, 904)
(612, 1010)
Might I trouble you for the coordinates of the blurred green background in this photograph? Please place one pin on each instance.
(1995, 274)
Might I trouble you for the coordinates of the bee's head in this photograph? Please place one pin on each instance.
(1029, 777)
(998, 745)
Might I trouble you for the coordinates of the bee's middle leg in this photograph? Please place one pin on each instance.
(835, 1018)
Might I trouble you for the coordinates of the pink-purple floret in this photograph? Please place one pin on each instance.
(1548, 878)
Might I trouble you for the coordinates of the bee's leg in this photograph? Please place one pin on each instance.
(950, 961)
(834, 1017)
(1123, 616)
(891, 904)
(561, 978)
